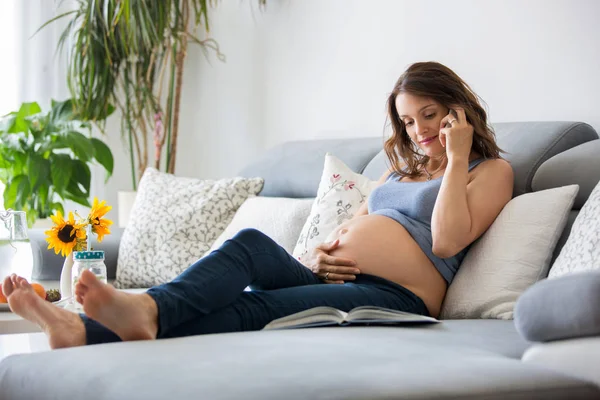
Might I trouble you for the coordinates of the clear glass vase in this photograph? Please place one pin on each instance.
(16, 256)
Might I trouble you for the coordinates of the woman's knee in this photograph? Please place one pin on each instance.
(250, 235)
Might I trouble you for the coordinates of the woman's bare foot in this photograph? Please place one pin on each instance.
(130, 316)
(63, 328)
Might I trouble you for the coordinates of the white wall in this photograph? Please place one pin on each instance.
(309, 69)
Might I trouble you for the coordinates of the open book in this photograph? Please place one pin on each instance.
(367, 315)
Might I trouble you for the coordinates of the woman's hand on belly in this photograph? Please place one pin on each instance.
(329, 268)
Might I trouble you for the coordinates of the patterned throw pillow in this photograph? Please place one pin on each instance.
(581, 252)
(279, 218)
(513, 254)
(341, 193)
(173, 223)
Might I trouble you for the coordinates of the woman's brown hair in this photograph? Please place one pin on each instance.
(438, 82)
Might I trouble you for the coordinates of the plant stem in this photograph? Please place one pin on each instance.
(129, 128)
(180, 62)
(170, 107)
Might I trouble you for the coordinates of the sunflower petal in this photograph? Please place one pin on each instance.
(58, 218)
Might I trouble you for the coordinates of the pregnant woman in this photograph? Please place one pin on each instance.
(445, 186)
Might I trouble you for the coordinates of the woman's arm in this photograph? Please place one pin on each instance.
(464, 210)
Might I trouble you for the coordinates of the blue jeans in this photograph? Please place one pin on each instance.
(209, 296)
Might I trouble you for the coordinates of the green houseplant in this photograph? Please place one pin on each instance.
(131, 53)
(45, 158)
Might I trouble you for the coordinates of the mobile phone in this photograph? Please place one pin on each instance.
(454, 114)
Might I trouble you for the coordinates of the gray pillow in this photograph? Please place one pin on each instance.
(561, 308)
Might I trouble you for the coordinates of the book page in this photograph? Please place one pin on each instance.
(313, 315)
(372, 313)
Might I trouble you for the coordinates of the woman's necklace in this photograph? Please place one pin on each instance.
(430, 175)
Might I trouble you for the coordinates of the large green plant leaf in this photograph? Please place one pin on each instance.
(39, 170)
(26, 110)
(82, 174)
(16, 192)
(61, 172)
(75, 194)
(81, 145)
(104, 156)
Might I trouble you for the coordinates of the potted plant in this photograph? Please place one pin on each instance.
(131, 54)
(45, 158)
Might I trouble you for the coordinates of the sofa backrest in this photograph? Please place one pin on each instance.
(543, 155)
(293, 169)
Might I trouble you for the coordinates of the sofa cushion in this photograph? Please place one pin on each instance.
(173, 222)
(563, 308)
(581, 252)
(279, 218)
(567, 168)
(510, 256)
(341, 193)
(576, 357)
(451, 360)
(293, 169)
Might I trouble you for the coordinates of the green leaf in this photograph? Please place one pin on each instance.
(82, 174)
(7, 122)
(62, 111)
(104, 113)
(57, 206)
(39, 170)
(103, 156)
(26, 110)
(32, 215)
(42, 199)
(74, 190)
(4, 163)
(81, 145)
(16, 192)
(52, 20)
(60, 172)
(75, 194)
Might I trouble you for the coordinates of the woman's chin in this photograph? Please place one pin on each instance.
(434, 151)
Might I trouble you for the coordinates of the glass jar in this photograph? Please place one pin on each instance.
(16, 256)
(90, 260)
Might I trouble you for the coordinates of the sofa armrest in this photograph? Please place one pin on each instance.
(47, 265)
(576, 357)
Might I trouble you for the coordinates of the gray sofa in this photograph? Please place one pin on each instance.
(479, 359)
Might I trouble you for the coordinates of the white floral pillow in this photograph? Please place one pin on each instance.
(173, 223)
(341, 193)
(581, 252)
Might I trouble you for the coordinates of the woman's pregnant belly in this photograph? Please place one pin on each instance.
(382, 247)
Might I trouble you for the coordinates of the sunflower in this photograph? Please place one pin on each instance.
(100, 225)
(64, 235)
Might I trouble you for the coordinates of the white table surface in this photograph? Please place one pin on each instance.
(20, 336)
(22, 343)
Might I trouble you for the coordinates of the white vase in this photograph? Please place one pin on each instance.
(66, 289)
(126, 200)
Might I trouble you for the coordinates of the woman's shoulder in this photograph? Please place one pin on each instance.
(493, 167)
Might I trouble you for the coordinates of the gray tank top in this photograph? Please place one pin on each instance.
(411, 204)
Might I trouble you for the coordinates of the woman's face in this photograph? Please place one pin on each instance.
(421, 117)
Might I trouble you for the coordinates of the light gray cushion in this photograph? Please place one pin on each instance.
(293, 169)
(451, 360)
(562, 308)
(567, 168)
